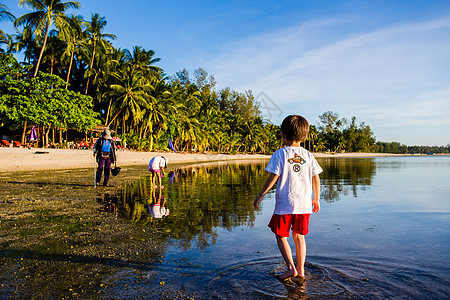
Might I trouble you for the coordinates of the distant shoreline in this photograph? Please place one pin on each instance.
(24, 159)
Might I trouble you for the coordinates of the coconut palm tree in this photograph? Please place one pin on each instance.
(143, 61)
(51, 61)
(5, 15)
(130, 95)
(159, 107)
(48, 12)
(96, 38)
(73, 36)
(24, 41)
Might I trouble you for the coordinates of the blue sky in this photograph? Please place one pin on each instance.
(385, 62)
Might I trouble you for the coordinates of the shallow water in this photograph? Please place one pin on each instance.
(382, 232)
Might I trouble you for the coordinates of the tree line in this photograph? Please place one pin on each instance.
(72, 77)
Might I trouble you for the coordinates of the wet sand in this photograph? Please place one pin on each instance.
(23, 159)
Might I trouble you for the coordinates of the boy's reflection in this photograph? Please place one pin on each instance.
(157, 208)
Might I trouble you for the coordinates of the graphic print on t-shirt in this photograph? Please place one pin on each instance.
(297, 161)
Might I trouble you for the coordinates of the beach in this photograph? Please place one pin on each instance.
(24, 159)
(53, 219)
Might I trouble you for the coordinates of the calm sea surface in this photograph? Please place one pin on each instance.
(383, 232)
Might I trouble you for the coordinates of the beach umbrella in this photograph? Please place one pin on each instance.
(171, 145)
(33, 136)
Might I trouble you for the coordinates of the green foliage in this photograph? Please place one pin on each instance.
(395, 147)
(334, 136)
(134, 97)
(42, 100)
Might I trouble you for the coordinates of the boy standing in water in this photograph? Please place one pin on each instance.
(156, 167)
(297, 172)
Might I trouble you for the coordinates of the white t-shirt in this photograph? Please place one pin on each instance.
(296, 166)
(156, 163)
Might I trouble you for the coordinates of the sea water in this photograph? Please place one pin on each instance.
(382, 231)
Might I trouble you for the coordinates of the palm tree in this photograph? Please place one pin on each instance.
(48, 12)
(24, 41)
(143, 61)
(96, 37)
(51, 61)
(73, 36)
(5, 15)
(130, 94)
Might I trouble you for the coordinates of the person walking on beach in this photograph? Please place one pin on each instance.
(105, 152)
(297, 193)
(156, 167)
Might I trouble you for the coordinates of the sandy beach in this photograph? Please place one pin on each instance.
(24, 159)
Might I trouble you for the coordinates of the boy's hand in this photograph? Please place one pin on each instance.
(316, 205)
(258, 199)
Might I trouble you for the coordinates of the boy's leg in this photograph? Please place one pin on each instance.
(300, 249)
(286, 252)
(159, 180)
(153, 180)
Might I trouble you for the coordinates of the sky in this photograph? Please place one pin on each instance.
(386, 62)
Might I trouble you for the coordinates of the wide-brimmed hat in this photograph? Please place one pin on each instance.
(166, 160)
(106, 134)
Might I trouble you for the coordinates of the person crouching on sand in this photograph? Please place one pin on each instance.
(156, 167)
(297, 172)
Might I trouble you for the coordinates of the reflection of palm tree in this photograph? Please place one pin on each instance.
(48, 12)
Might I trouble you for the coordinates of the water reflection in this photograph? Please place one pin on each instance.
(200, 199)
(344, 176)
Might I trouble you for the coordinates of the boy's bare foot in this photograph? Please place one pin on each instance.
(298, 279)
(288, 274)
(301, 273)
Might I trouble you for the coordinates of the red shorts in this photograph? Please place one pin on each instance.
(282, 224)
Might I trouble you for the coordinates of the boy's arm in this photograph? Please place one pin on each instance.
(316, 191)
(267, 186)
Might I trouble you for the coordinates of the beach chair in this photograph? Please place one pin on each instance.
(5, 143)
(17, 144)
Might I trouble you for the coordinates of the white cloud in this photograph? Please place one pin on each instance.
(394, 76)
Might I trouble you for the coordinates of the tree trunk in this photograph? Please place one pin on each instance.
(107, 113)
(24, 132)
(46, 132)
(90, 67)
(42, 50)
(70, 69)
(52, 61)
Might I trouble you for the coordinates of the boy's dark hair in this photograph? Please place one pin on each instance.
(295, 128)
